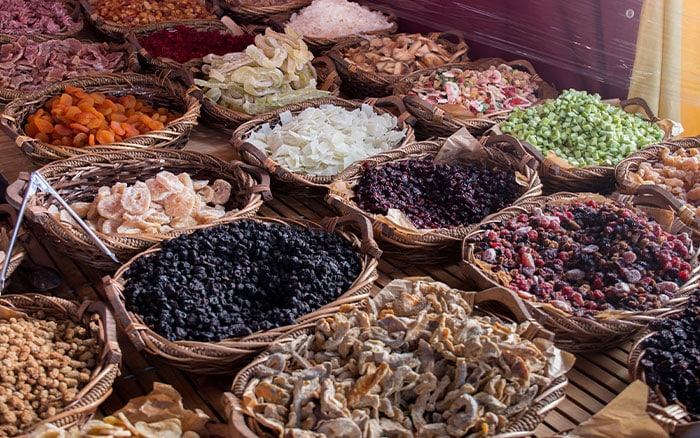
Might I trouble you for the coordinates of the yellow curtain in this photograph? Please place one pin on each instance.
(690, 68)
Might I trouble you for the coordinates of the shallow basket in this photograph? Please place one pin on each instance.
(76, 13)
(683, 210)
(8, 219)
(360, 83)
(98, 318)
(228, 119)
(495, 302)
(311, 185)
(572, 333)
(601, 179)
(159, 91)
(433, 121)
(79, 178)
(428, 246)
(118, 31)
(252, 13)
(131, 64)
(224, 356)
(672, 417)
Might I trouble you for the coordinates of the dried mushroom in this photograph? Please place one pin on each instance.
(414, 362)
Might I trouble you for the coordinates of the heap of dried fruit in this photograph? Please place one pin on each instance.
(436, 194)
(235, 279)
(414, 362)
(22, 17)
(128, 13)
(182, 43)
(671, 358)
(77, 118)
(399, 54)
(45, 363)
(585, 257)
(160, 204)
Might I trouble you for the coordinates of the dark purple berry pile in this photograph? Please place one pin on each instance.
(671, 360)
(235, 279)
(587, 257)
(436, 195)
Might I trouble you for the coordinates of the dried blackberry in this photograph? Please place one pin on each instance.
(235, 279)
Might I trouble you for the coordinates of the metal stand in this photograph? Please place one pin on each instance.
(37, 182)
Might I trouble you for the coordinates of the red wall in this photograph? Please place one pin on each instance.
(584, 44)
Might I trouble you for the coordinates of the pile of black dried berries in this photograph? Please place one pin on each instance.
(235, 279)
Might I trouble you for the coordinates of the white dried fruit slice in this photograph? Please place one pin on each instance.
(110, 207)
(81, 208)
(179, 205)
(118, 188)
(157, 215)
(110, 226)
(206, 194)
(222, 192)
(170, 181)
(158, 191)
(198, 184)
(102, 193)
(183, 222)
(208, 214)
(186, 180)
(137, 198)
(53, 212)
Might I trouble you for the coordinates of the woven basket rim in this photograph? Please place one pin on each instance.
(173, 135)
(105, 370)
(619, 326)
(273, 118)
(547, 399)
(253, 12)
(218, 357)
(84, 172)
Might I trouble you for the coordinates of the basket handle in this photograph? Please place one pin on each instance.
(656, 196)
(458, 35)
(112, 291)
(368, 245)
(393, 101)
(261, 160)
(235, 414)
(114, 355)
(436, 114)
(77, 10)
(262, 177)
(524, 63)
(507, 299)
(516, 148)
(332, 77)
(643, 104)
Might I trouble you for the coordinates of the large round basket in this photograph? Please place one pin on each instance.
(118, 31)
(228, 119)
(159, 91)
(429, 246)
(629, 183)
(129, 56)
(8, 220)
(498, 303)
(434, 121)
(95, 316)
(76, 13)
(312, 185)
(360, 82)
(250, 12)
(320, 45)
(601, 179)
(225, 356)
(673, 417)
(599, 332)
(79, 179)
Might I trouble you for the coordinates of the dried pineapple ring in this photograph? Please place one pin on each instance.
(137, 198)
(118, 187)
(110, 207)
(209, 214)
(184, 222)
(81, 208)
(110, 226)
(222, 192)
(102, 193)
(158, 191)
(157, 215)
(206, 194)
(179, 205)
(186, 180)
(170, 181)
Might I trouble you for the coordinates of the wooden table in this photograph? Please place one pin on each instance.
(593, 382)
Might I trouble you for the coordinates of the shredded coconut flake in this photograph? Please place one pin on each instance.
(326, 139)
(336, 18)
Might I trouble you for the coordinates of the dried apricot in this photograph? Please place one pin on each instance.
(104, 136)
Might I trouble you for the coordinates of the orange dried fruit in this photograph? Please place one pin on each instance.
(44, 126)
(104, 136)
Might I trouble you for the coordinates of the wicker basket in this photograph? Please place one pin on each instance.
(684, 211)
(79, 178)
(601, 179)
(573, 333)
(131, 63)
(97, 317)
(312, 185)
(253, 13)
(118, 31)
(495, 302)
(224, 356)
(7, 225)
(159, 91)
(228, 119)
(672, 417)
(76, 13)
(319, 46)
(431, 246)
(360, 83)
(433, 121)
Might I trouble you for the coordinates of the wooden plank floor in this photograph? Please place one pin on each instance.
(594, 381)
